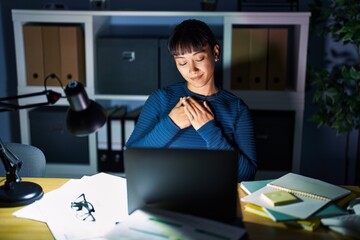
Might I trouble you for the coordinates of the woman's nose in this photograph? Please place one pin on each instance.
(192, 67)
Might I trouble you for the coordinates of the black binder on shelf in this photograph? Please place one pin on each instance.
(130, 121)
(103, 143)
(117, 141)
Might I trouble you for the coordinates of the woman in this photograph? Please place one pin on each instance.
(196, 113)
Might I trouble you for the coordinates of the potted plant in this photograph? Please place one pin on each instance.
(337, 89)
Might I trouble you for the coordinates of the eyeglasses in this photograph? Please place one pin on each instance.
(83, 208)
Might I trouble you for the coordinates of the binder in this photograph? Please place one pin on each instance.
(34, 62)
(240, 59)
(51, 47)
(278, 44)
(72, 54)
(103, 144)
(117, 140)
(130, 122)
(258, 58)
(54, 50)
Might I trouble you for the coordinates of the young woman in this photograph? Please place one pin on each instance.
(195, 113)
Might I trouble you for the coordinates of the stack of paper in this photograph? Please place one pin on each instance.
(106, 193)
(306, 212)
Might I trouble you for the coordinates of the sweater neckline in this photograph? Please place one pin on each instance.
(201, 97)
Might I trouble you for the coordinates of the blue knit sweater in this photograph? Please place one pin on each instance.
(231, 129)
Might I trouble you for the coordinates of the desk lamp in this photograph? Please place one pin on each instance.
(84, 116)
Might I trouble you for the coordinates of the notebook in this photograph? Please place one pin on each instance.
(249, 187)
(309, 187)
(313, 195)
(198, 182)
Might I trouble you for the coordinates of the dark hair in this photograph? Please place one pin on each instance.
(190, 35)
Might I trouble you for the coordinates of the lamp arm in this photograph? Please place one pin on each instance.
(12, 165)
(51, 96)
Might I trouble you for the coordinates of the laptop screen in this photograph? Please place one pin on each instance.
(192, 181)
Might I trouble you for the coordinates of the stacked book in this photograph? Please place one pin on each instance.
(295, 200)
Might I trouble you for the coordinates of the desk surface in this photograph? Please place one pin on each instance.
(258, 228)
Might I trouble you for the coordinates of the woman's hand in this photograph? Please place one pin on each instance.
(178, 115)
(198, 113)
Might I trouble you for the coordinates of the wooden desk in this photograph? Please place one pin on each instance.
(12, 227)
(258, 228)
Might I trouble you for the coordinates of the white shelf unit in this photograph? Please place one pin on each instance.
(94, 22)
(289, 100)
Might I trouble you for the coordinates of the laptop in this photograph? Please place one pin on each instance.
(198, 182)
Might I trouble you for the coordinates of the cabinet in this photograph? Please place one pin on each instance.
(98, 24)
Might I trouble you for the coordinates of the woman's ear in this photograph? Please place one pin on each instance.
(216, 52)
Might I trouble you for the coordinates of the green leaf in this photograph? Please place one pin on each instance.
(354, 74)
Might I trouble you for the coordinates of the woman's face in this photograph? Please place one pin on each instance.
(197, 68)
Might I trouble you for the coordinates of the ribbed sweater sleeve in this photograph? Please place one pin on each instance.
(153, 129)
(243, 141)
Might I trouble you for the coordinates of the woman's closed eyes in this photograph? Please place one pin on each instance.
(196, 60)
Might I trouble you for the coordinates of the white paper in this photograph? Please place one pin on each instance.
(105, 192)
(155, 224)
(32, 211)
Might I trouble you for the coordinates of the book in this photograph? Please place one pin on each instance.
(332, 209)
(308, 187)
(278, 198)
(302, 209)
(251, 186)
(327, 211)
(257, 210)
(307, 225)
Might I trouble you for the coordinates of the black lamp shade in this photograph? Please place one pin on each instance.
(84, 115)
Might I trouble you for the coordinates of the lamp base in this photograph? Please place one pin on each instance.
(22, 193)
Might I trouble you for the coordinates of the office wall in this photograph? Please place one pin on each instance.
(3, 91)
(322, 151)
(5, 132)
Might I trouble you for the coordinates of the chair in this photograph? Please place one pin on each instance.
(33, 159)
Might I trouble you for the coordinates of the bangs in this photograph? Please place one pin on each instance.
(180, 45)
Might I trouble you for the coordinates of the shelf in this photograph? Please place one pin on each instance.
(272, 100)
(158, 24)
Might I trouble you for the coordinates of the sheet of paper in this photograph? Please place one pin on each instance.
(154, 224)
(32, 211)
(106, 193)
